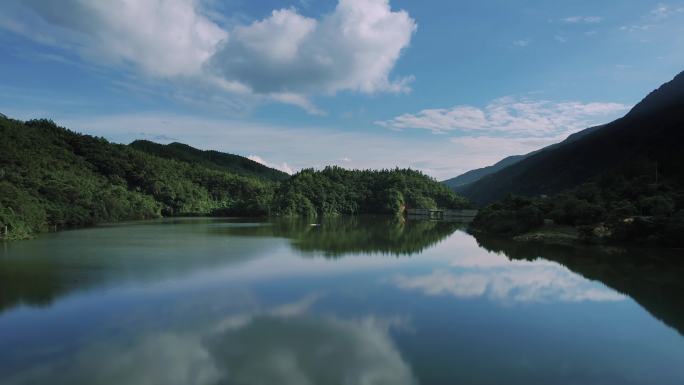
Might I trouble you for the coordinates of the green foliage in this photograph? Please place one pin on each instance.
(630, 208)
(52, 178)
(513, 215)
(336, 191)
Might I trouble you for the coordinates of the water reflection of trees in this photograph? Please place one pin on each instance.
(339, 236)
(34, 283)
(652, 278)
(37, 272)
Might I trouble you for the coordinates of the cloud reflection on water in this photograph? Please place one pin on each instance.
(495, 277)
(285, 344)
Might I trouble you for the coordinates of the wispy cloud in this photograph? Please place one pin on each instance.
(583, 19)
(665, 11)
(635, 27)
(510, 115)
(656, 17)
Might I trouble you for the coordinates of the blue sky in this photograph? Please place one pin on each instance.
(441, 86)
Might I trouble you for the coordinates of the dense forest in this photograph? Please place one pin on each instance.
(53, 178)
(621, 182)
(335, 190)
(613, 209)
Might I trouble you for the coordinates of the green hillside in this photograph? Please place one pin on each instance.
(52, 178)
(210, 159)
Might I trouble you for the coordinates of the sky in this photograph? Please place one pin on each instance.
(442, 86)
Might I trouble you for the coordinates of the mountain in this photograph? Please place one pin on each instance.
(210, 159)
(461, 182)
(647, 140)
(53, 178)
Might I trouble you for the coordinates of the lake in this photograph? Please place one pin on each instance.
(349, 301)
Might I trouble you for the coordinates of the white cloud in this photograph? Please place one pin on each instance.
(353, 48)
(160, 37)
(285, 57)
(282, 166)
(583, 19)
(510, 115)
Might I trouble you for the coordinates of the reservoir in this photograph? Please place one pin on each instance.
(362, 300)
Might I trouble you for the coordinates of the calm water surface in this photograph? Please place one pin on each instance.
(352, 301)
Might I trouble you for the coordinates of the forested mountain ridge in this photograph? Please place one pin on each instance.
(211, 159)
(650, 132)
(624, 182)
(52, 178)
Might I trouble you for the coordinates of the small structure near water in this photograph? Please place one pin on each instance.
(442, 214)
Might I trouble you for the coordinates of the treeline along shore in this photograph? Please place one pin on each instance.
(53, 178)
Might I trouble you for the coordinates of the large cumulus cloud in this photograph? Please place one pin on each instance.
(286, 56)
(353, 48)
(160, 37)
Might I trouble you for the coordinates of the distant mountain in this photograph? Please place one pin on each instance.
(461, 182)
(650, 135)
(211, 159)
